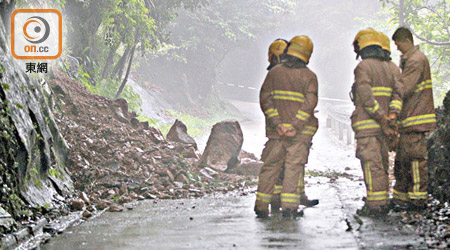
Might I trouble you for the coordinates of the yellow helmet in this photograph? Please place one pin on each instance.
(366, 38)
(300, 47)
(277, 48)
(385, 42)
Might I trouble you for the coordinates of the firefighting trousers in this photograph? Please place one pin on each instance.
(374, 156)
(276, 197)
(411, 169)
(293, 155)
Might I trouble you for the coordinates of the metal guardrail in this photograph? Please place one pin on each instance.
(339, 120)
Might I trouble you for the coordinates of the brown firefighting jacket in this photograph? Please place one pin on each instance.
(377, 91)
(288, 96)
(418, 113)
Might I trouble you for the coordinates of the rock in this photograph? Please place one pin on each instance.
(120, 109)
(123, 189)
(87, 214)
(150, 196)
(247, 167)
(169, 173)
(91, 208)
(124, 199)
(182, 178)
(111, 192)
(77, 205)
(223, 146)
(189, 152)
(6, 221)
(115, 208)
(178, 133)
(206, 174)
(245, 154)
(102, 205)
(140, 197)
(155, 135)
(85, 198)
(133, 195)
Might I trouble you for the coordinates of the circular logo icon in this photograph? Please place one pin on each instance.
(36, 29)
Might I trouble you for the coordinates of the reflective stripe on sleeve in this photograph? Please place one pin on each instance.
(382, 91)
(424, 85)
(301, 115)
(396, 104)
(271, 113)
(417, 120)
(365, 124)
(374, 108)
(309, 130)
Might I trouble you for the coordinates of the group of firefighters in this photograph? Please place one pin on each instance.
(394, 110)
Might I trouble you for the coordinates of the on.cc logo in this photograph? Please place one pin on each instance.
(36, 34)
(39, 32)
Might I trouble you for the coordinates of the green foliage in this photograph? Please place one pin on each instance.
(53, 172)
(18, 105)
(5, 86)
(108, 88)
(196, 126)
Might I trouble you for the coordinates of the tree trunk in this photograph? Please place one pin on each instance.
(109, 61)
(118, 69)
(125, 79)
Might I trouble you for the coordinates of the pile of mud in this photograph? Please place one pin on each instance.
(114, 158)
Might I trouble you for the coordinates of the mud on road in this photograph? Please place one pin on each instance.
(227, 221)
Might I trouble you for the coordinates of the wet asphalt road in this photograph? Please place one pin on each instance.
(228, 221)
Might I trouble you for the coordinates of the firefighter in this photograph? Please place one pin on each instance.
(416, 120)
(288, 97)
(373, 94)
(276, 54)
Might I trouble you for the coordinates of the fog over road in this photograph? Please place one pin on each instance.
(228, 221)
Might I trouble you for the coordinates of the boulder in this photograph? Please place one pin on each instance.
(178, 133)
(223, 146)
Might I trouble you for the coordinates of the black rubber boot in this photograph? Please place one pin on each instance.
(309, 203)
(262, 214)
(291, 213)
(373, 212)
(416, 206)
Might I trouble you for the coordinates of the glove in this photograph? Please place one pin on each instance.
(387, 130)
